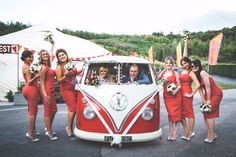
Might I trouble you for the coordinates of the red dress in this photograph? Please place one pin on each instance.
(67, 89)
(49, 109)
(216, 97)
(30, 92)
(187, 104)
(172, 102)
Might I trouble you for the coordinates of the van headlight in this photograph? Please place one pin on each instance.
(147, 114)
(89, 113)
(152, 101)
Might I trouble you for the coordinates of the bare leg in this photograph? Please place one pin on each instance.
(31, 126)
(191, 126)
(211, 129)
(51, 119)
(71, 116)
(185, 127)
(47, 122)
(207, 127)
(170, 134)
(176, 130)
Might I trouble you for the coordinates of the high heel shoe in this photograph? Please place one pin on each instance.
(32, 138)
(46, 131)
(207, 140)
(70, 134)
(185, 138)
(169, 139)
(37, 133)
(193, 134)
(51, 137)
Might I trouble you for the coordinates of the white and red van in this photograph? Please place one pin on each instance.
(117, 112)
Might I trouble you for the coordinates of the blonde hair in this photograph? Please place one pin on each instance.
(41, 60)
(171, 59)
(103, 68)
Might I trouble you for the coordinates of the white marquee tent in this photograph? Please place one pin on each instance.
(33, 38)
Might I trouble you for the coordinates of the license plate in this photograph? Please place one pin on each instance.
(124, 139)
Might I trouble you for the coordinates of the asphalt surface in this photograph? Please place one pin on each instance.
(13, 124)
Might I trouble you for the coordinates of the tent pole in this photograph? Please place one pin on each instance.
(17, 70)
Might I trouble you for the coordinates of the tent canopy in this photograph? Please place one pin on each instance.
(33, 38)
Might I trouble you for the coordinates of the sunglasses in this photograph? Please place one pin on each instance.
(194, 66)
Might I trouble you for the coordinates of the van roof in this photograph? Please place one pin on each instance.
(118, 59)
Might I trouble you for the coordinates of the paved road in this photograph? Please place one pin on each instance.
(13, 122)
(225, 79)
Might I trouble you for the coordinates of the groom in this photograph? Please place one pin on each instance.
(135, 76)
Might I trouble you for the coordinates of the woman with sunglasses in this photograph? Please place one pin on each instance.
(187, 76)
(211, 94)
(30, 92)
(173, 99)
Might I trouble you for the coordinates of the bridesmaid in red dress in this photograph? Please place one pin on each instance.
(47, 91)
(67, 81)
(30, 92)
(172, 100)
(186, 78)
(211, 94)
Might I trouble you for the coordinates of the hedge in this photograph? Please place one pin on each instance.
(227, 70)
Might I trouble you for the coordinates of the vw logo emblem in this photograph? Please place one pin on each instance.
(118, 102)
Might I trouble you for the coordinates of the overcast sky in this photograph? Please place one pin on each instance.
(123, 16)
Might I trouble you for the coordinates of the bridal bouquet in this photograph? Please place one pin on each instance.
(35, 67)
(171, 87)
(69, 66)
(92, 79)
(205, 108)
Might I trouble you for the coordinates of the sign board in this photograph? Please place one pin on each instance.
(8, 48)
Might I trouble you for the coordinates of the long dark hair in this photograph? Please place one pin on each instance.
(197, 63)
(186, 60)
(26, 54)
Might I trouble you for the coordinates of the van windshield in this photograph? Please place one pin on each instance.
(118, 73)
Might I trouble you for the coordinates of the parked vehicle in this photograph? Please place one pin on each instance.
(113, 111)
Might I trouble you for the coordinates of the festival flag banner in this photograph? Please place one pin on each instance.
(214, 49)
(150, 54)
(8, 48)
(178, 54)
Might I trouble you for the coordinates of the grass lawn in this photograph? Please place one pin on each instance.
(225, 86)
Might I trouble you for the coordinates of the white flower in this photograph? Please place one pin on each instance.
(171, 87)
(69, 66)
(205, 108)
(161, 81)
(35, 67)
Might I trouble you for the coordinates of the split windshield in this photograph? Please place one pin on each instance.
(114, 73)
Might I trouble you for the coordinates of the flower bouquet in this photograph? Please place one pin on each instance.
(161, 81)
(171, 87)
(92, 79)
(35, 67)
(205, 108)
(49, 38)
(69, 66)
